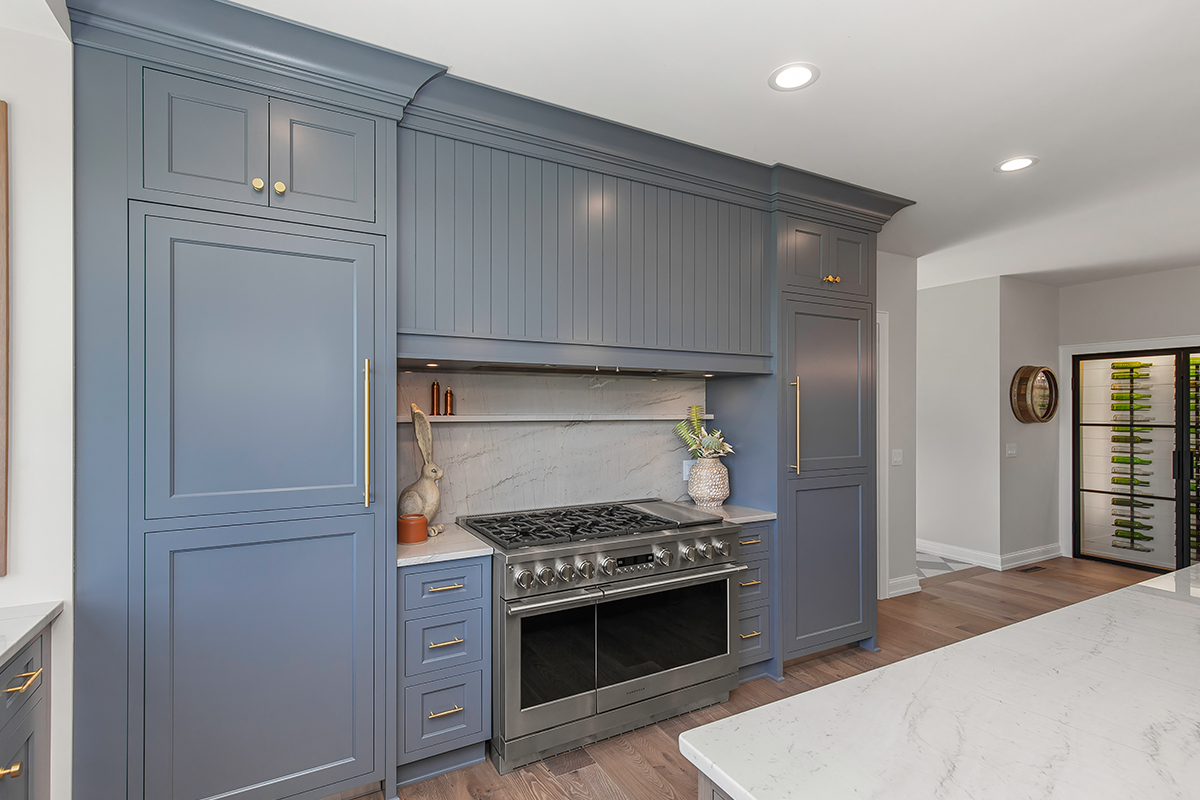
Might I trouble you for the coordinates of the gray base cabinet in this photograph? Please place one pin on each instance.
(756, 635)
(25, 723)
(446, 658)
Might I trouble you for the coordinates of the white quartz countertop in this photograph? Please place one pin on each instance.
(1095, 700)
(739, 515)
(20, 624)
(454, 542)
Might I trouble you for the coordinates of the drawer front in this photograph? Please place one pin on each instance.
(440, 715)
(20, 679)
(442, 585)
(447, 640)
(754, 635)
(755, 583)
(754, 539)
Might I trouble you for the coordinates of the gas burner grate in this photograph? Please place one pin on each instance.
(570, 524)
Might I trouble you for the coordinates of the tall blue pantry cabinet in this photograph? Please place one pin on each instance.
(236, 207)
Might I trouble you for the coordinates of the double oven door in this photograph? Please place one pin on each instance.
(587, 651)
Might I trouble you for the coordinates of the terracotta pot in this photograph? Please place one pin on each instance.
(412, 529)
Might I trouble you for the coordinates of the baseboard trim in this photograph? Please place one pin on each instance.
(990, 560)
(905, 585)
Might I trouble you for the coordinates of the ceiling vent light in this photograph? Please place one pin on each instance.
(791, 77)
(1014, 164)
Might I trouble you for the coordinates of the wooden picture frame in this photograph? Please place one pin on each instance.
(3, 338)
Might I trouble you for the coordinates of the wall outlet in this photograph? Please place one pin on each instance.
(897, 458)
(1010, 450)
(687, 468)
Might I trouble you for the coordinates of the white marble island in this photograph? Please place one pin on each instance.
(1100, 699)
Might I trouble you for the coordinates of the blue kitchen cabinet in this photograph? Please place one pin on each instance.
(445, 713)
(826, 258)
(757, 598)
(214, 140)
(25, 722)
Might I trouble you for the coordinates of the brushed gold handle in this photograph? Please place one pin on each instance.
(30, 678)
(750, 635)
(280, 188)
(367, 434)
(752, 541)
(14, 771)
(750, 583)
(445, 588)
(455, 640)
(796, 466)
(838, 279)
(258, 184)
(832, 279)
(457, 708)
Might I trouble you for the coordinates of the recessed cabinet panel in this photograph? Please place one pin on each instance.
(324, 159)
(819, 256)
(27, 743)
(828, 354)
(805, 254)
(255, 347)
(259, 665)
(203, 139)
(851, 267)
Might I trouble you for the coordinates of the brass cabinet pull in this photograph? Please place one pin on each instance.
(750, 583)
(30, 678)
(280, 188)
(258, 184)
(366, 429)
(752, 541)
(796, 466)
(832, 279)
(14, 771)
(445, 588)
(750, 635)
(457, 708)
(455, 640)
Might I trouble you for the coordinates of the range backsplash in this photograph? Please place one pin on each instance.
(496, 466)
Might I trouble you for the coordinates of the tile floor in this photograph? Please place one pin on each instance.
(929, 565)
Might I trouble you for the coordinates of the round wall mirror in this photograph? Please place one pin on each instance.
(1034, 394)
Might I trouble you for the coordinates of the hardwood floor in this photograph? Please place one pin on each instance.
(646, 763)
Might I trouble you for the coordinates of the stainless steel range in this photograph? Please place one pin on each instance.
(606, 618)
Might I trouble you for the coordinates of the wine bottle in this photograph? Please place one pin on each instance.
(1130, 364)
(1129, 396)
(1131, 470)
(1132, 429)
(1137, 387)
(1131, 406)
(1132, 524)
(1130, 376)
(1130, 512)
(1141, 548)
(1130, 460)
(1131, 439)
(1129, 502)
(1132, 417)
(1125, 448)
(1124, 481)
(1134, 535)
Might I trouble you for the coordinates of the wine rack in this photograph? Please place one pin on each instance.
(1193, 439)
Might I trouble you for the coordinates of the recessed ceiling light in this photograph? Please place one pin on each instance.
(431, 365)
(1014, 164)
(791, 77)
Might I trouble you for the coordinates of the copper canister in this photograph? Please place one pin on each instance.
(434, 395)
(412, 529)
(448, 410)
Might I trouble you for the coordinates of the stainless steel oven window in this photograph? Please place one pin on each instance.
(558, 655)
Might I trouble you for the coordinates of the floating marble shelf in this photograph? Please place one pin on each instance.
(543, 417)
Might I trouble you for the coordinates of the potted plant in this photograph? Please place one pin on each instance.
(708, 480)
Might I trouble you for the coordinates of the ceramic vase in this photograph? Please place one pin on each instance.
(708, 482)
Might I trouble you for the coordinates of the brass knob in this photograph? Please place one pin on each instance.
(838, 279)
(279, 187)
(14, 771)
(258, 184)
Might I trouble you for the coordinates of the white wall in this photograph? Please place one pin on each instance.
(35, 80)
(1028, 482)
(958, 423)
(1155, 305)
(897, 295)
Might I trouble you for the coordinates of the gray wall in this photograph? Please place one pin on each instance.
(958, 428)
(897, 295)
(1028, 482)
(1148, 306)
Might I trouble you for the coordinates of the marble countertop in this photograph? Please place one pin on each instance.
(454, 542)
(20, 624)
(737, 514)
(1095, 700)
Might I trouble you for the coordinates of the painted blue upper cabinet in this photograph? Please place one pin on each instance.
(211, 140)
(826, 258)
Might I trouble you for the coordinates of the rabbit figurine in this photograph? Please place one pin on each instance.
(423, 496)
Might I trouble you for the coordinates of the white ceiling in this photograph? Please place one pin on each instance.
(920, 99)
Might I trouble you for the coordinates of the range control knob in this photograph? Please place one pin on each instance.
(587, 570)
(688, 553)
(705, 549)
(546, 575)
(723, 548)
(664, 557)
(566, 572)
(608, 566)
(524, 579)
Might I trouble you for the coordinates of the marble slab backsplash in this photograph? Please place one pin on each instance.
(496, 466)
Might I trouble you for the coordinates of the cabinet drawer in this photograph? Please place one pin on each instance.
(755, 583)
(754, 635)
(440, 712)
(755, 538)
(20, 679)
(447, 640)
(442, 585)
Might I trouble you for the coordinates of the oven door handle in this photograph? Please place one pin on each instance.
(583, 598)
(687, 579)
